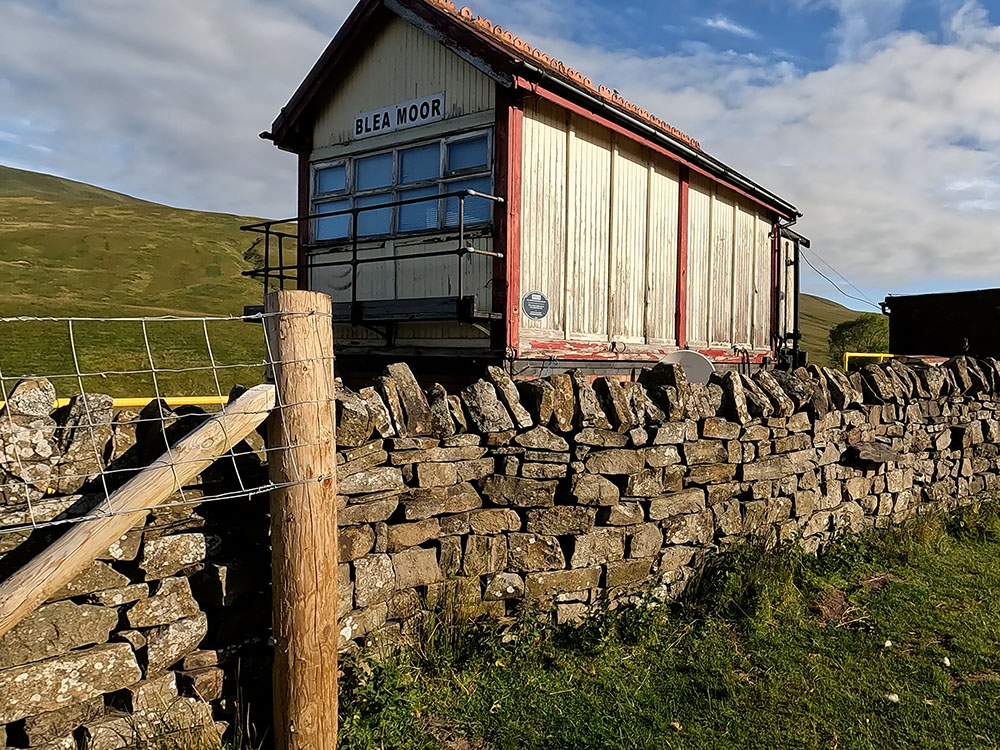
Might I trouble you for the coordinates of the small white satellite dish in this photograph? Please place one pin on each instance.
(697, 367)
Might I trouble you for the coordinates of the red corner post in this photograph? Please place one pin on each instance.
(680, 319)
(507, 270)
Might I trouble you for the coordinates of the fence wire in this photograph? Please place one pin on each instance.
(61, 466)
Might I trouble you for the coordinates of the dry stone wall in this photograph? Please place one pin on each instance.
(564, 493)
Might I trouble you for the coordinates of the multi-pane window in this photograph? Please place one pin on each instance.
(422, 173)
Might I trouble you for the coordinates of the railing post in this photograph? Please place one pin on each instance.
(302, 464)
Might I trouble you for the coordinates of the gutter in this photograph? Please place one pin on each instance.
(700, 158)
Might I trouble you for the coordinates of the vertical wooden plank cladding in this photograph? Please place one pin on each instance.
(629, 204)
(683, 237)
(509, 138)
(589, 224)
(543, 216)
(662, 254)
(762, 284)
(743, 273)
(721, 274)
(699, 258)
(401, 63)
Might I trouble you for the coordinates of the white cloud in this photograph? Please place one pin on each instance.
(862, 25)
(162, 98)
(722, 23)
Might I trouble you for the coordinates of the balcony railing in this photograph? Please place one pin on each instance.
(281, 236)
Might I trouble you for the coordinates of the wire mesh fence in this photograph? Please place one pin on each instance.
(101, 400)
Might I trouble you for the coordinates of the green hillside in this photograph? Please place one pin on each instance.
(70, 249)
(817, 316)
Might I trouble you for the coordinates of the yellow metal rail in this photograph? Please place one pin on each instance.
(848, 356)
(171, 401)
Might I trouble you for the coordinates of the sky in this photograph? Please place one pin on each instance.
(879, 119)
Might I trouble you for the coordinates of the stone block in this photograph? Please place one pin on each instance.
(588, 409)
(168, 555)
(172, 600)
(626, 573)
(644, 540)
(441, 500)
(484, 554)
(711, 473)
(621, 514)
(561, 520)
(405, 535)
(692, 528)
(677, 503)
(542, 439)
(374, 580)
(98, 576)
(659, 456)
(519, 492)
(504, 586)
(116, 597)
(533, 552)
(372, 511)
(615, 462)
(592, 489)
(378, 479)
(167, 644)
(509, 396)
(672, 433)
(539, 585)
(595, 438)
(419, 420)
(65, 680)
(598, 546)
(494, 521)
(543, 471)
(484, 408)
(537, 396)
(416, 567)
(355, 542)
(55, 629)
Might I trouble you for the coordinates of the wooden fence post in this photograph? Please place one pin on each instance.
(304, 552)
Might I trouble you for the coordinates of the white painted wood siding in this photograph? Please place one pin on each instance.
(729, 270)
(401, 63)
(598, 232)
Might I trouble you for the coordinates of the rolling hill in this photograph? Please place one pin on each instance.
(816, 317)
(69, 249)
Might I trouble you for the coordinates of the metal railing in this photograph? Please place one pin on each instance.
(276, 236)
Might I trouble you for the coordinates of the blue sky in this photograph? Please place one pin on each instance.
(880, 119)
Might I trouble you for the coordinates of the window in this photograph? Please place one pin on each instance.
(420, 173)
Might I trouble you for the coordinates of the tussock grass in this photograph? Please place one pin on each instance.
(772, 649)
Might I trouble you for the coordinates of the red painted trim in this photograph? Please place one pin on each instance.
(507, 270)
(595, 351)
(305, 196)
(775, 276)
(535, 88)
(683, 198)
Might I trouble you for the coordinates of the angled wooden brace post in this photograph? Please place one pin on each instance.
(304, 553)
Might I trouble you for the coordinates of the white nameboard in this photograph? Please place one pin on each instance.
(399, 116)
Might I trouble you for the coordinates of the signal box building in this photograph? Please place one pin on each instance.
(461, 193)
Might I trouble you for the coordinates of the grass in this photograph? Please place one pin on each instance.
(69, 249)
(885, 641)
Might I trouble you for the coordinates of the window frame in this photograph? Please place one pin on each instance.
(442, 182)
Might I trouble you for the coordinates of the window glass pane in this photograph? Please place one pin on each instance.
(373, 172)
(334, 227)
(477, 210)
(417, 216)
(421, 163)
(374, 222)
(467, 154)
(331, 180)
